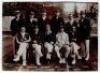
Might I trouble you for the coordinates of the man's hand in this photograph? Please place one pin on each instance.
(51, 42)
(35, 41)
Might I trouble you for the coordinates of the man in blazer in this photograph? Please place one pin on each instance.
(84, 34)
(56, 22)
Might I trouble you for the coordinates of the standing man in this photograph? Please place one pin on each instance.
(15, 23)
(31, 22)
(84, 35)
(56, 22)
(69, 26)
(15, 28)
(42, 21)
(62, 41)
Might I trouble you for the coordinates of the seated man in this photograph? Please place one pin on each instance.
(62, 41)
(36, 39)
(49, 41)
(74, 46)
(23, 40)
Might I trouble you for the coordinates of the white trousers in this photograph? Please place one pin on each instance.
(75, 47)
(38, 52)
(85, 48)
(87, 42)
(49, 48)
(22, 50)
(57, 50)
(74, 50)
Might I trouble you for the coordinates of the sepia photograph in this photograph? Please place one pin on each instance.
(50, 36)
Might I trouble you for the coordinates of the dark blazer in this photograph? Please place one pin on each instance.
(30, 25)
(37, 37)
(84, 29)
(42, 24)
(15, 26)
(73, 36)
(21, 39)
(49, 38)
(69, 29)
(56, 23)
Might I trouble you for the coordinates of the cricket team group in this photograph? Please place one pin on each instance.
(38, 33)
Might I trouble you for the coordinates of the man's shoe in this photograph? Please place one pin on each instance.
(79, 57)
(39, 64)
(60, 61)
(24, 63)
(87, 58)
(63, 61)
(73, 62)
(16, 59)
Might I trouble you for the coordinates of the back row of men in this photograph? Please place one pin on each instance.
(52, 34)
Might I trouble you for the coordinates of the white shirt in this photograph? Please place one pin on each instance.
(62, 38)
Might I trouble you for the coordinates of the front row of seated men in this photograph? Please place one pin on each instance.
(49, 41)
